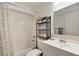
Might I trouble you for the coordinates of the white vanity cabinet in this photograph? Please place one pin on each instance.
(49, 50)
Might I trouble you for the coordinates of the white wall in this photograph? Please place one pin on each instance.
(47, 10)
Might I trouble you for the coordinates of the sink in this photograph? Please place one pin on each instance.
(59, 43)
(63, 44)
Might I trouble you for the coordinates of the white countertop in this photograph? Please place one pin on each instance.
(69, 47)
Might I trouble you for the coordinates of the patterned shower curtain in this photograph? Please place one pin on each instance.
(4, 31)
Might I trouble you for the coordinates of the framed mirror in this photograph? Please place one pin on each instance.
(66, 20)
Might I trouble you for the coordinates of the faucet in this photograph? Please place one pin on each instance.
(63, 41)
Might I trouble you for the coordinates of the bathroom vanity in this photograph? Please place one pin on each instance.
(55, 48)
(64, 26)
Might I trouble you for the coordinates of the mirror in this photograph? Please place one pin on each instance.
(66, 20)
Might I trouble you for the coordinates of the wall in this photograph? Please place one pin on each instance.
(47, 10)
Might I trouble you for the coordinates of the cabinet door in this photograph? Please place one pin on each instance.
(49, 50)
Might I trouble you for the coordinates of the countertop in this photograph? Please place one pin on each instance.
(69, 47)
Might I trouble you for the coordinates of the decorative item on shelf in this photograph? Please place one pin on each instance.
(43, 27)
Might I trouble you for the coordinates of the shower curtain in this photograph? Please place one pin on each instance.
(4, 31)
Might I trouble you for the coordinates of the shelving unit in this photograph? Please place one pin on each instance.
(43, 27)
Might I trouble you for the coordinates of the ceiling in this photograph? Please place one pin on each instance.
(33, 5)
(57, 3)
(61, 5)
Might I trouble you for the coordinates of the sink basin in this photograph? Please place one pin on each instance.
(63, 44)
(58, 43)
